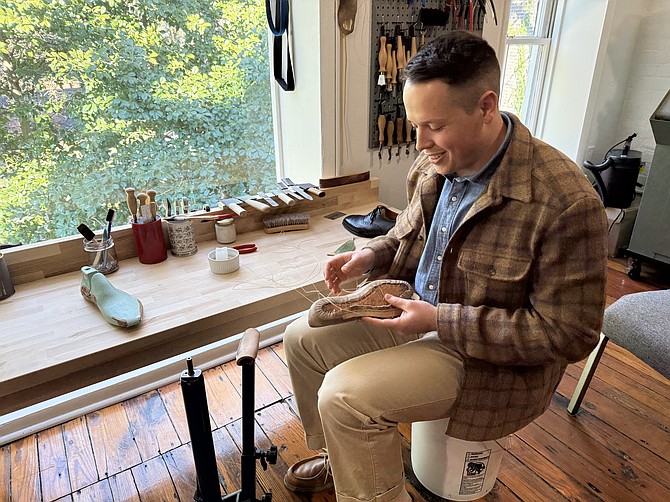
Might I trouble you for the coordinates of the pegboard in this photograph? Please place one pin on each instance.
(392, 18)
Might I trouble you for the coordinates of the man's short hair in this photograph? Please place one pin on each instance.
(460, 59)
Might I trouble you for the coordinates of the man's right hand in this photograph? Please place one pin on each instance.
(346, 266)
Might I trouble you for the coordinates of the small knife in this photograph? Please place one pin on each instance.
(290, 191)
(267, 197)
(297, 188)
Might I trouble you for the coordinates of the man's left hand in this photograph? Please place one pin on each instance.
(417, 316)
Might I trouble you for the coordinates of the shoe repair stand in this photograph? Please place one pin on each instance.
(197, 415)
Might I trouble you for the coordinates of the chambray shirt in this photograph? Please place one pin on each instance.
(457, 197)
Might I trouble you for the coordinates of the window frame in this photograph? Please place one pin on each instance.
(535, 92)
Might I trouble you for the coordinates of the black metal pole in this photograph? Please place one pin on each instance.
(248, 491)
(197, 416)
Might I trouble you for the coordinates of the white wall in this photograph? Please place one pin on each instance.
(649, 78)
(611, 79)
(581, 25)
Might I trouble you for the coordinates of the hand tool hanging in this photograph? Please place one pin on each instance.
(278, 30)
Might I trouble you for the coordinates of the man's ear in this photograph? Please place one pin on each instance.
(488, 104)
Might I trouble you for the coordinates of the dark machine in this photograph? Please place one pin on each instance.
(197, 415)
(616, 177)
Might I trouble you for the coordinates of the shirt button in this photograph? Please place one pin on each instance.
(444, 229)
(453, 199)
(431, 287)
(439, 258)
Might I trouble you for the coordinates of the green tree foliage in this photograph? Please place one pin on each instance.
(98, 95)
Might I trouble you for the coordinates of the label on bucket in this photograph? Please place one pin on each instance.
(474, 471)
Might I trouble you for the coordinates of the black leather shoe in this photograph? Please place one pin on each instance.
(378, 222)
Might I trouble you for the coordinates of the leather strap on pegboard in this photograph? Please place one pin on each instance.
(278, 29)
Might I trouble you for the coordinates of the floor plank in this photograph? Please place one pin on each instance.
(153, 481)
(98, 492)
(25, 483)
(174, 405)
(53, 464)
(123, 487)
(225, 403)
(113, 445)
(264, 394)
(79, 452)
(5, 472)
(152, 428)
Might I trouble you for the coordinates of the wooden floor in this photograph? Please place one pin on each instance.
(616, 449)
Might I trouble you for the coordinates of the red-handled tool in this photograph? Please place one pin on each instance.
(245, 248)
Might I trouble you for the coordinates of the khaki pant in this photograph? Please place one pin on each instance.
(353, 384)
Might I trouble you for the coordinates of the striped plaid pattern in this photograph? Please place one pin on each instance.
(522, 286)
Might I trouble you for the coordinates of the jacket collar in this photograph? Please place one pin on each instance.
(512, 178)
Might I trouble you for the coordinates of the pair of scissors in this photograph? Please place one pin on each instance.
(245, 248)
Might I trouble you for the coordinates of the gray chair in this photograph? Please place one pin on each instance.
(638, 322)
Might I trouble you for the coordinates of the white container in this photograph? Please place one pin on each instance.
(452, 468)
(224, 265)
(225, 231)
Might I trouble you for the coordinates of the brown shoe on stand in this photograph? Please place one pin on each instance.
(310, 475)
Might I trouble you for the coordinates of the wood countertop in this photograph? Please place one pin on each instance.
(53, 341)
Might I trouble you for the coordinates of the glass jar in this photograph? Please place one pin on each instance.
(102, 254)
(225, 231)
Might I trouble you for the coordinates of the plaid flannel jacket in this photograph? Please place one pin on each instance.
(522, 284)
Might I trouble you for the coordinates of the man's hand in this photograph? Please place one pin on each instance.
(347, 265)
(417, 316)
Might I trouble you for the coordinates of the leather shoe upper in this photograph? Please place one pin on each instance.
(377, 222)
(310, 475)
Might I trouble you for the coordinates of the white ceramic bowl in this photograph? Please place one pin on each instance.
(224, 266)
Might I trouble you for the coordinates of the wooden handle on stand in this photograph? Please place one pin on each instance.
(131, 201)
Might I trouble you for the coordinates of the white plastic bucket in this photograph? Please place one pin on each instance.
(452, 468)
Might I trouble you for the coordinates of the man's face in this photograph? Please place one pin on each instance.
(452, 137)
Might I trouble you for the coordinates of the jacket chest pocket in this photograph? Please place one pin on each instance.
(494, 280)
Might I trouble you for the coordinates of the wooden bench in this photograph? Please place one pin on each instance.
(52, 341)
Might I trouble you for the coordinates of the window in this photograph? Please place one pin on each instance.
(99, 96)
(527, 52)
